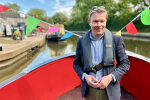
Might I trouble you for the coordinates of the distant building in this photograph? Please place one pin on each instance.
(10, 18)
(4, 15)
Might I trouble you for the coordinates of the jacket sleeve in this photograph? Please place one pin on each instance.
(77, 64)
(122, 59)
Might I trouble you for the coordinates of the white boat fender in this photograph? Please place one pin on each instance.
(1, 47)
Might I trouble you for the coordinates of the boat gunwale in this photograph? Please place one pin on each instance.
(132, 54)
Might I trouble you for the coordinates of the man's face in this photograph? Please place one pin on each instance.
(98, 23)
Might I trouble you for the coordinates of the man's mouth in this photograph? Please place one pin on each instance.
(99, 29)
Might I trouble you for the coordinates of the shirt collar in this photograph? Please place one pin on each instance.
(94, 39)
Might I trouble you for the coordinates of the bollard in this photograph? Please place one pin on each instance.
(0, 46)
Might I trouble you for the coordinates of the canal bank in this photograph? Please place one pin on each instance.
(138, 35)
(11, 52)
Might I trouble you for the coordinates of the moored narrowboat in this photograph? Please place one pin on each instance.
(55, 37)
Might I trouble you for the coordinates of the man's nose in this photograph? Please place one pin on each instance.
(99, 24)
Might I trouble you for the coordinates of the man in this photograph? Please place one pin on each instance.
(100, 83)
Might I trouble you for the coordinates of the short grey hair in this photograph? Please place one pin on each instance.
(99, 10)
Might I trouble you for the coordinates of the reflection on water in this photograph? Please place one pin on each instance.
(57, 49)
(139, 46)
(63, 47)
(18, 66)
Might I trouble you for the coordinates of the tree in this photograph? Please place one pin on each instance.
(60, 18)
(119, 13)
(138, 6)
(142, 4)
(37, 13)
(13, 6)
(80, 12)
(49, 20)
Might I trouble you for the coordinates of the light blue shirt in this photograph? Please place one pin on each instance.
(97, 57)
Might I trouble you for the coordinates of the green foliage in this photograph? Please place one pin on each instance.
(48, 19)
(60, 18)
(13, 6)
(80, 12)
(37, 13)
(119, 14)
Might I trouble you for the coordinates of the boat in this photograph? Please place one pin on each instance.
(136, 80)
(55, 37)
(53, 78)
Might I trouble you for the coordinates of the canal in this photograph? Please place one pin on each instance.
(51, 50)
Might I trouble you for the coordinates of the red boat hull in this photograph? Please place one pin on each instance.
(44, 83)
(137, 79)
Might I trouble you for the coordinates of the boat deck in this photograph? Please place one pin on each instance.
(75, 94)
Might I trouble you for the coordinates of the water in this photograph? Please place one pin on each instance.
(51, 50)
(48, 51)
(139, 46)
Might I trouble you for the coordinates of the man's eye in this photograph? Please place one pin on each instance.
(102, 21)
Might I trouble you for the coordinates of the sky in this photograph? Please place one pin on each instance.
(50, 6)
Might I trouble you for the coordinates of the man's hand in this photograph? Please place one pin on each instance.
(92, 81)
(104, 81)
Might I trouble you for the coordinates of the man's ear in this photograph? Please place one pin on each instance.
(89, 22)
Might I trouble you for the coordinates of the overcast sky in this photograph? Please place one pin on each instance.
(50, 6)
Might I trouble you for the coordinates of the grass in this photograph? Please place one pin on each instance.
(9, 41)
